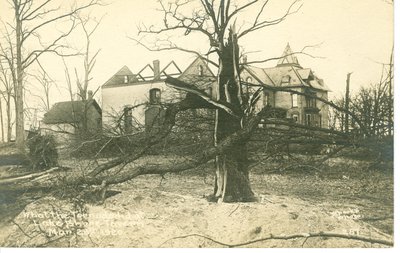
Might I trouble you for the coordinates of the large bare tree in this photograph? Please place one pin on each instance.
(216, 21)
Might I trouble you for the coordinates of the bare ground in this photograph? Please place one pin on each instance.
(151, 211)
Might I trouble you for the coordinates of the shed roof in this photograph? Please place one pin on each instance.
(68, 112)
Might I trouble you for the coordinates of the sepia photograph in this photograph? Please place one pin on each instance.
(197, 124)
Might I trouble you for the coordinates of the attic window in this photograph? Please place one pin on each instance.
(200, 70)
(285, 80)
(126, 79)
(249, 79)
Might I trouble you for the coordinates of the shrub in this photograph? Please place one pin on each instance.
(42, 151)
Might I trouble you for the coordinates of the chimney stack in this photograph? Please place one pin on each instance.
(90, 95)
(156, 66)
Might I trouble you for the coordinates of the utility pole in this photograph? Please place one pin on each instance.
(347, 100)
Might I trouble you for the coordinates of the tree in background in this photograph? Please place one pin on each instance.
(30, 21)
(7, 81)
(372, 105)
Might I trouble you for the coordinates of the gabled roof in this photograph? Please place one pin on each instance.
(118, 78)
(192, 69)
(298, 77)
(287, 72)
(68, 112)
(288, 58)
(201, 80)
(124, 71)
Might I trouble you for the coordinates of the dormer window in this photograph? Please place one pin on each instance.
(200, 70)
(126, 79)
(285, 80)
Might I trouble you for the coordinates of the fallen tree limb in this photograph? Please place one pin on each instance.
(31, 176)
(288, 237)
(105, 172)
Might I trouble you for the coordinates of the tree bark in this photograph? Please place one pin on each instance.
(232, 182)
(9, 126)
(19, 96)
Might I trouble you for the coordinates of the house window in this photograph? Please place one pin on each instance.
(128, 120)
(249, 79)
(261, 124)
(155, 96)
(308, 119)
(295, 118)
(285, 80)
(294, 100)
(266, 98)
(126, 79)
(200, 70)
(311, 102)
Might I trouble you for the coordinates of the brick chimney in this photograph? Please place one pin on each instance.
(156, 67)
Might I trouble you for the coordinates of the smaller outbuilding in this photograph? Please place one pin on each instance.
(72, 118)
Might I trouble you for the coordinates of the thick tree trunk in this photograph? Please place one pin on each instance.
(232, 182)
(19, 97)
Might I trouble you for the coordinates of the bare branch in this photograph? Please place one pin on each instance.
(52, 20)
(289, 237)
(180, 85)
(301, 52)
(174, 47)
(262, 24)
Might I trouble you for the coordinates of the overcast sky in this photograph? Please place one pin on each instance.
(355, 35)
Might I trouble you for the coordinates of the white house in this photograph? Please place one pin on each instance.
(126, 97)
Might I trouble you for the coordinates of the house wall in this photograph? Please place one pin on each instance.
(284, 100)
(320, 105)
(324, 108)
(115, 99)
